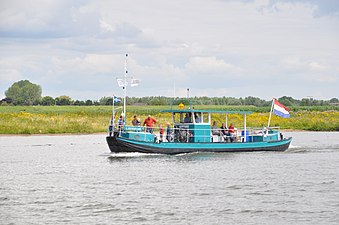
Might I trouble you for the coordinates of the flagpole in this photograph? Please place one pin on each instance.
(269, 119)
(113, 113)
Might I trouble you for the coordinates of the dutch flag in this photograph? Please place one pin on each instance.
(280, 110)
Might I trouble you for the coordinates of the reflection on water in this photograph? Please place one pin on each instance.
(185, 157)
(76, 180)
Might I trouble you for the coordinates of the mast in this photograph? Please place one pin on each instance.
(125, 87)
(123, 82)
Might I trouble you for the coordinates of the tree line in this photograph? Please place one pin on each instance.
(26, 93)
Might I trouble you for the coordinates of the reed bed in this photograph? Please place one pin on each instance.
(95, 119)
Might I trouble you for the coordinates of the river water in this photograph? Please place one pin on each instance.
(76, 180)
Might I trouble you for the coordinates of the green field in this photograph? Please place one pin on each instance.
(95, 119)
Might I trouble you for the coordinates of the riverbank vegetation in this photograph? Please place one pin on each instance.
(65, 100)
(26, 93)
(94, 119)
(25, 111)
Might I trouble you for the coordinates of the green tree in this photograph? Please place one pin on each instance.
(63, 100)
(106, 101)
(77, 102)
(334, 100)
(234, 101)
(89, 102)
(250, 100)
(24, 93)
(47, 100)
(288, 101)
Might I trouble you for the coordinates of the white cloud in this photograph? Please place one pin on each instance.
(26, 14)
(256, 48)
(210, 65)
(10, 75)
(317, 67)
(322, 78)
(89, 64)
(106, 26)
(304, 65)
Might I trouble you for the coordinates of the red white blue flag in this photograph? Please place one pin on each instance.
(280, 110)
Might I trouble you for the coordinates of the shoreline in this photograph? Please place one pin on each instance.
(105, 133)
(50, 134)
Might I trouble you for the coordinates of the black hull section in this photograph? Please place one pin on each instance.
(118, 145)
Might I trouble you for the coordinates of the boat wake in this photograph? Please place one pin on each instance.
(131, 154)
(294, 147)
(297, 149)
(307, 149)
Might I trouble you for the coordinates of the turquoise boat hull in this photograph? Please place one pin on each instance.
(121, 144)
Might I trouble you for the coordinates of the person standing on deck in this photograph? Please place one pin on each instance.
(135, 121)
(149, 124)
(121, 122)
(161, 132)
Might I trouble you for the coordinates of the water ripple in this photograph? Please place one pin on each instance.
(75, 180)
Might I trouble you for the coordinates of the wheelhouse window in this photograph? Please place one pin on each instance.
(205, 117)
(178, 117)
(197, 117)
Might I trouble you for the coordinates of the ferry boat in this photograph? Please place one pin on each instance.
(196, 136)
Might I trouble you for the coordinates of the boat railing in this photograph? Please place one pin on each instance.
(184, 134)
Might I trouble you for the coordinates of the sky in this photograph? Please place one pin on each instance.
(232, 48)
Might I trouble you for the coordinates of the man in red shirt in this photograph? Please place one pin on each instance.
(231, 128)
(231, 132)
(149, 123)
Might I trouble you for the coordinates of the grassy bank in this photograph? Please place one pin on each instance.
(94, 119)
